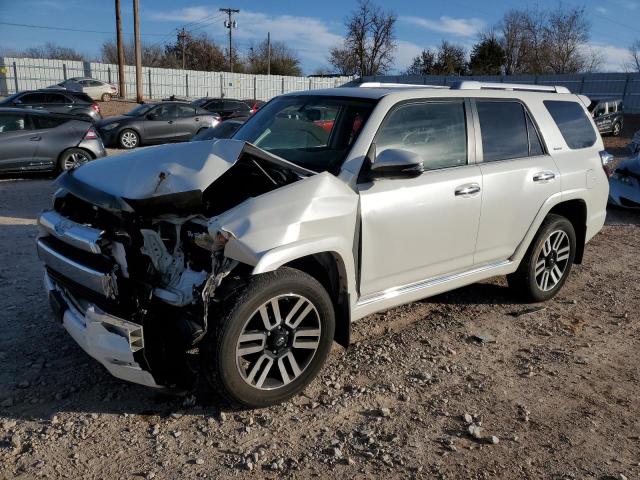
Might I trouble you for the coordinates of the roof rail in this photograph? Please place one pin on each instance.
(399, 85)
(475, 85)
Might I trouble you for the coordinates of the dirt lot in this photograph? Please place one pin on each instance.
(557, 387)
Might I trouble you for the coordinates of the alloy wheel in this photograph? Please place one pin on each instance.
(129, 139)
(278, 342)
(552, 260)
(74, 160)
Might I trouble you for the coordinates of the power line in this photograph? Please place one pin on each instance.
(65, 29)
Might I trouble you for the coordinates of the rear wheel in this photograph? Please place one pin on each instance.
(273, 340)
(72, 158)
(105, 97)
(547, 263)
(128, 139)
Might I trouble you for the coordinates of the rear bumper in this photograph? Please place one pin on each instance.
(112, 341)
(96, 147)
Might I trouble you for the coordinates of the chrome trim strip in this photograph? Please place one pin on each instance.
(68, 231)
(100, 282)
(424, 284)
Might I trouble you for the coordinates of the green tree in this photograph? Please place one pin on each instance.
(487, 57)
(423, 64)
(284, 60)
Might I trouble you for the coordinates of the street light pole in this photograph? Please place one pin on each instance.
(230, 24)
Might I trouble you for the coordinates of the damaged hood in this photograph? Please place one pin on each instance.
(170, 169)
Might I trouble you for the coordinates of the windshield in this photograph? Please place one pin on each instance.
(314, 132)
(140, 110)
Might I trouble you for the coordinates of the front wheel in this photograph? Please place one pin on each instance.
(272, 341)
(128, 139)
(547, 263)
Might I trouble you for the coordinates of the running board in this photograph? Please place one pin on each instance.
(426, 284)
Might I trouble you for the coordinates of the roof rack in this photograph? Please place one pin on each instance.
(475, 85)
(399, 85)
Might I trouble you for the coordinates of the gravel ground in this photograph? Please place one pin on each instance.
(468, 384)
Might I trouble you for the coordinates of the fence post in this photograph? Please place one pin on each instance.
(186, 84)
(309, 83)
(255, 87)
(626, 85)
(582, 84)
(15, 76)
(64, 70)
(221, 87)
(150, 93)
(109, 74)
(282, 88)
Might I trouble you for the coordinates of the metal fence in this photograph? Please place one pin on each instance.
(18, 74)
(594, 85)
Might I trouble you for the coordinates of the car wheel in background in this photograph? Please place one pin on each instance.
(617, 128)
(547, 263)
(72, 158)
(105, 97)
(128, 139)
(272, 340)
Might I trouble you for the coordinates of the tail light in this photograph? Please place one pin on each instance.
(91, 134)
(606, 158)
(95, 107)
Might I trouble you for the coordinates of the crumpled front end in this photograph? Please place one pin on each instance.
(136, 280)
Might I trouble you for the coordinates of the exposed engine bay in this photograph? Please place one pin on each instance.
(165, 264)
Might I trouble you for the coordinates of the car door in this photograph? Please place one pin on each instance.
(518, 176)
(425, 227)
(159, 123)
(600, 116)
(17, 145)
(52, 136)
(187, 122)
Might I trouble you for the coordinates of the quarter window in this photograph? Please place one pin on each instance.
(572, 121)
(434, 130)
(186, 111)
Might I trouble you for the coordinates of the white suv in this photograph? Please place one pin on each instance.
(254, 254)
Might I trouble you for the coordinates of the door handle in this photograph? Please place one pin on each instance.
(468, 190)
(544, 177)
(197, 119)
(170, 122)
(37, 138)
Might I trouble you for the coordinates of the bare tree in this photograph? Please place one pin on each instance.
(451, 59)
(369, 43)
(49, 50)
(423, 64)
(201, 53)
(152, 54)
(565, 34)
(634, 55)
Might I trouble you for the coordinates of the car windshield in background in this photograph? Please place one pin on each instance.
(199, 102)
(315, 132)
(224, 130)
(140, 110)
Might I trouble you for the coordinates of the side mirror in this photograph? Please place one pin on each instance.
(397, 163)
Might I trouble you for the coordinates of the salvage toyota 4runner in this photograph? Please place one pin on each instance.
(246, 258)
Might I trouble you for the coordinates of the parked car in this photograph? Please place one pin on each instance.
(624, 184)
(73, 103)
(35, 140)
(608, 115)
(94, 88)
(226, 108)
(257, 252)
(152, 123)
(224, 129)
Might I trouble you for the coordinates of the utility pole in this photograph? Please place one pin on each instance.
(136, 34)
(230, 24)
(121, 87)
(182, 37)
(268, 53)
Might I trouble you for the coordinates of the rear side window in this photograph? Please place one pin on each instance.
(186, 111)
(12, 122)
(41, 122)
(33, 98)
(434, 130)
(504, 131)
(573, 123)
(56, 98)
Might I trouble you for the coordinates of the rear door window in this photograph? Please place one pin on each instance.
(186, 111)
(573, 123)
(56, 98)
(42, 123)
(13, 122)
(503, 125)
(434, 130)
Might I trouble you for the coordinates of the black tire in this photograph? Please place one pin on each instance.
(524, 281)
(128, 139)
(616, 130)
(105, 97)
(72, 158)
(220, 347)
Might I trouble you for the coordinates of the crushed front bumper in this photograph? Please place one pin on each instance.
(112, 341)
